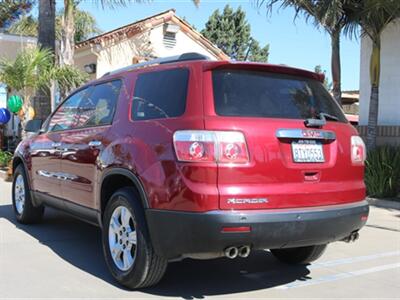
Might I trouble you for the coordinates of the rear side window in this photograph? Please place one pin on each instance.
(268, 95)
(160, 94)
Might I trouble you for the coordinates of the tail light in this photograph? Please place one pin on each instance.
(358, 150)
(211, 146)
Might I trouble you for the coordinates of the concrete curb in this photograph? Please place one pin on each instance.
(384, 203)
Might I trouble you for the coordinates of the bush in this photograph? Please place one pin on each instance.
(382, 172)
(5, 158)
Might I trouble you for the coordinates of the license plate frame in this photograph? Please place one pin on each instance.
(307, 151)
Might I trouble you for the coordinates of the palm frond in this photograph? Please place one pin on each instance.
(26, 25)
(33, 69)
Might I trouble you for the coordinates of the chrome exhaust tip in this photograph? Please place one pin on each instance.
(352, 237)
(231, 252)
(355, 236)
(244, 251)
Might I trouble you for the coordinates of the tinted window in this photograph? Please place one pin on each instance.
(160, 94)
(261, 94)
(65, 116)
(84, 110)
(99, 107)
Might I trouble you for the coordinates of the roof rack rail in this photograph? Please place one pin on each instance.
(163, 60)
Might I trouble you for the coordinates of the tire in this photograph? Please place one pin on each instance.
(135, 265)
(25, 211)
(300, 255)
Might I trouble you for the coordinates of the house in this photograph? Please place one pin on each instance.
(389, 90)
(350, 102)
(161, 35)
(10, 46)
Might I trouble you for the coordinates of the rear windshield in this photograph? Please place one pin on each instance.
(244, 93)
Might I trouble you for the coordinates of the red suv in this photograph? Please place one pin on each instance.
(184, 157)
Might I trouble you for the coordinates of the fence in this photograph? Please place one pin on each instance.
(386, 135)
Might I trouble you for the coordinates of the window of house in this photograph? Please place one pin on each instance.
(160, 94)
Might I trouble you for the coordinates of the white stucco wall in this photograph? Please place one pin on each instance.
(112, 56)
(389, 93)
(183, 44)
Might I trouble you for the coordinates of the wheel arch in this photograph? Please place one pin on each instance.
(19, 160)
(118, 178)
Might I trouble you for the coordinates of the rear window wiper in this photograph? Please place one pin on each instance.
(326, 116)
(321, 121)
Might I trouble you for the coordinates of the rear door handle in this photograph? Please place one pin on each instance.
(95, 143)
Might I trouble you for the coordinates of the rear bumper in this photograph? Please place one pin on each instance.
(175, 234)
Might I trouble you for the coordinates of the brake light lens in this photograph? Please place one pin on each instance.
(358, 150)
(211, 146)
(232, 147)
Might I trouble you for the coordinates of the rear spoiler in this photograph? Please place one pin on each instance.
(281, 69)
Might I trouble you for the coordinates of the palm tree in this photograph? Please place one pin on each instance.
(329, 14)
(33, 70)
(85, 26)
(46, 40)
(374, 16)
(26, 25)
(67, 45)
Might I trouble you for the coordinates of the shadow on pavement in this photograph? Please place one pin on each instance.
(79, 244)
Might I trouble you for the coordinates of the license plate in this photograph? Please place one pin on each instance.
(307, 152)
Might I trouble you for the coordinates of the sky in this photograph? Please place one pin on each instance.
(294, 43)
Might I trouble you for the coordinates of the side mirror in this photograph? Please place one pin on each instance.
(33, 125)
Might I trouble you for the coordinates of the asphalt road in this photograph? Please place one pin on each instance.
(62, 258)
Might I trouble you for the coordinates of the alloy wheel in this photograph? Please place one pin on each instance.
(19, 194)
(122, 238)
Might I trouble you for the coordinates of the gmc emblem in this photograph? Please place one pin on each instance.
(312, 133)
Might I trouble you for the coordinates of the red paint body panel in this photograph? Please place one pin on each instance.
(271, 172)
(146, 149)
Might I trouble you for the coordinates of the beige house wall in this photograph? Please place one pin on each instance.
(83, 58)
(117, 55)
(11, 45)
(114, 55)
(183, 44)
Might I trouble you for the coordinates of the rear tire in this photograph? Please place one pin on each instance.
(299, 255)
(127, 247)
(25, 211)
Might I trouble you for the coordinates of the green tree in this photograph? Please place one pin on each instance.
(373, 16)
(47, 38)
(327, 83)
(34, 70)
(85, 26)
(231, 32)
(10, 11)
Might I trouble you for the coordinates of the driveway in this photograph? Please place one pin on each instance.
(62, 258)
